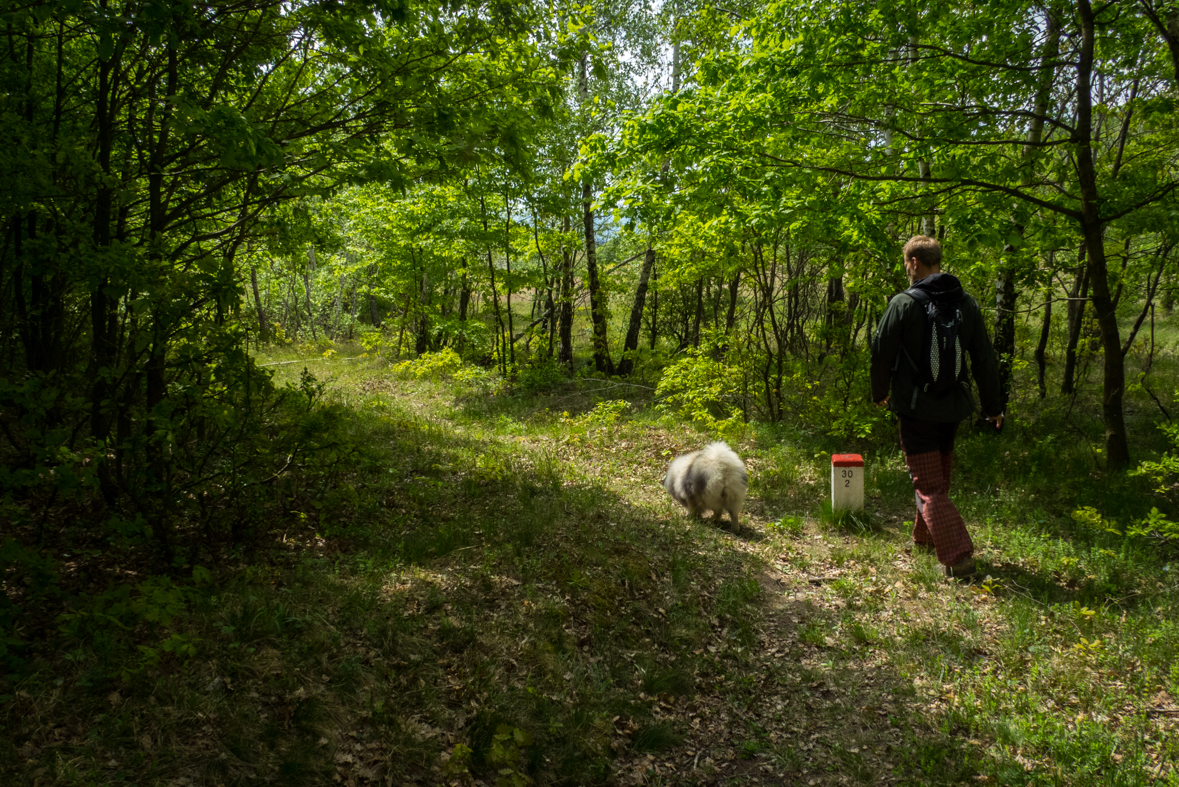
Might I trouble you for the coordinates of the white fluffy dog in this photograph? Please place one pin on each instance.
(712, 479)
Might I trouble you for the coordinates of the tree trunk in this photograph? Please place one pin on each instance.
(1151, 289)
(699, 315)
(404, 319)
(685, 318)
(464, 294)
(422, 343)
(647, 275)
(1113, 378)
(374, 316)
(549, 307)
(598, 311)
(499, 320)
(836, 312)
(1078, 297)
(654, 306)
(1005, 330)
(765, 284)
(1005, 293)
(352, 311)
(550, 304)
(102, 306)
(307, 289)
(286, 306)
(157, 463)
(631, 345)
(929, 218)
(1166, 21)
(336, 307)
(263, 327)
(508, 277)
(715, 297)
(1042, 347)
(565, 351)
(731, 314)
(1117, 447)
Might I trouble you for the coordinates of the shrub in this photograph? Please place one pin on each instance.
(443, 363)
(540, 374)
(485, 381)
(604, 414)
(1162, 473)
(703, 390)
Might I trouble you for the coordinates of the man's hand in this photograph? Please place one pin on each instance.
(883, 402)
(996, 421)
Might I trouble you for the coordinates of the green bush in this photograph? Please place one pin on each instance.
(1163, 473)
(485, 381)
(126, 617)
(540, 374)
(604, 414)
(703, 390)
(443, 363)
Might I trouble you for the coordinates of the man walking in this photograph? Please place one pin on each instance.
(908, 364)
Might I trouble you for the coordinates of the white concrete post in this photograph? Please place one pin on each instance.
(847, 482)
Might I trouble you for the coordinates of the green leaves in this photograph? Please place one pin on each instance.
(507, 755)
(238, 142)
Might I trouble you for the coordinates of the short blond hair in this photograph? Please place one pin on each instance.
(927, 250)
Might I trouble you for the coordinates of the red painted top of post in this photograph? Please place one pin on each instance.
(847, 460)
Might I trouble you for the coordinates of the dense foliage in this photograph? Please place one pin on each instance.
(150, 151)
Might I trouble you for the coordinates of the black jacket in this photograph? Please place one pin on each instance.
(903, 326)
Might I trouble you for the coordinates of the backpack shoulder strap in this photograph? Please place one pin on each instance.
(921, 296)
(922, 299)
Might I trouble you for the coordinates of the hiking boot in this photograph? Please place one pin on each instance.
(963, 568)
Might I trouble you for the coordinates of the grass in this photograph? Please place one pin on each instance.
(499, 591)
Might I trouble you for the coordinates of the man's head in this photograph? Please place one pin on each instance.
(923, 256)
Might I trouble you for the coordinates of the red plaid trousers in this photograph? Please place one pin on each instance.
(937, 522)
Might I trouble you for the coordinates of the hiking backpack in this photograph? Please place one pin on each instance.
(939, 367)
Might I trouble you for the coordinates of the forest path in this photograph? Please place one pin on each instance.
(814, 674)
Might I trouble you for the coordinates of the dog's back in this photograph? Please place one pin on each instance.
(713, 478)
